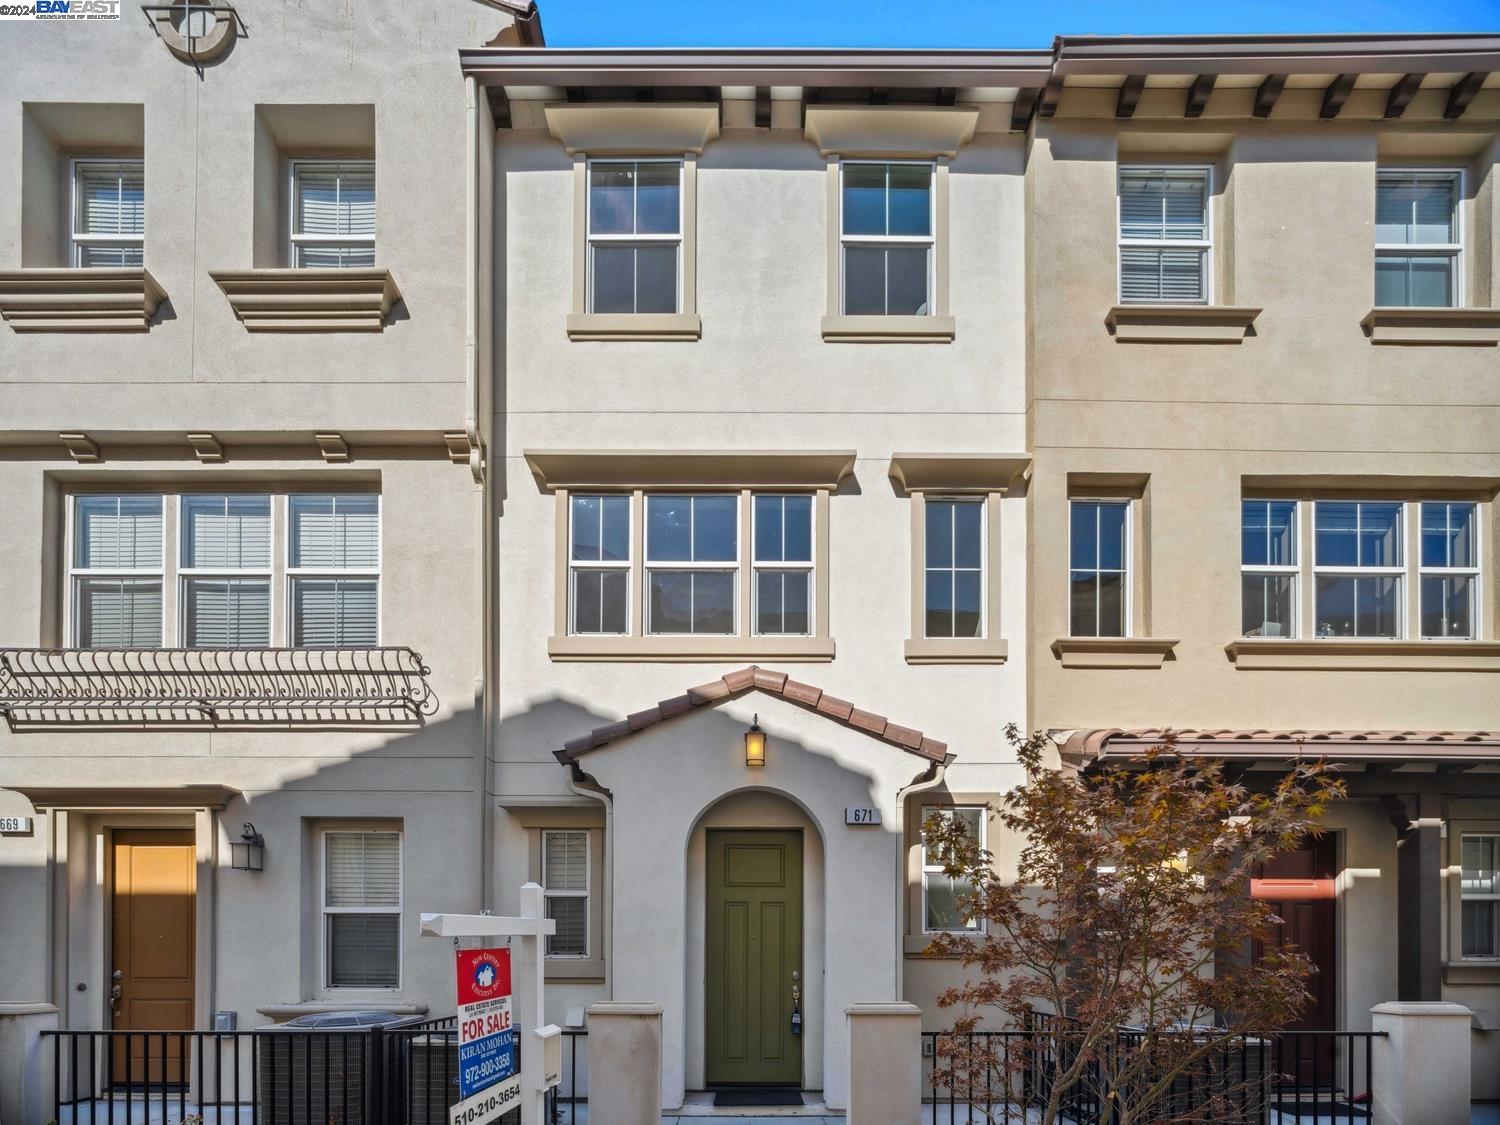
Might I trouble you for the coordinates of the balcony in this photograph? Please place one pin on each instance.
(236, 687)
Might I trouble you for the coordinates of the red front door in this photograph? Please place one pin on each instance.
(1300, 887)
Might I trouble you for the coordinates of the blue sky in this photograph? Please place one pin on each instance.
(974, 23)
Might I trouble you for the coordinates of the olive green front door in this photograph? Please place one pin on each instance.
(754, 957)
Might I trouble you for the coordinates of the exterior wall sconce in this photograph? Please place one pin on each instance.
(755, 744)
(248, 853)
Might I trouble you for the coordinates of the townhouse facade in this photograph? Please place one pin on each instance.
(663, 475)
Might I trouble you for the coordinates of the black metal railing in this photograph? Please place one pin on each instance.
(193, 686)
(404, 1075)
(996, 1076)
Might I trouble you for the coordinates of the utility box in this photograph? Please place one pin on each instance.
(549, 1043)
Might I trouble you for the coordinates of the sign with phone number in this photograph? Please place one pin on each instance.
(486, 1035)
(487, 1104)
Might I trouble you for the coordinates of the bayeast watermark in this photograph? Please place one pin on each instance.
(61, 10)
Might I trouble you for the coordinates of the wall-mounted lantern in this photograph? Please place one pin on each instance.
(248, 853)
(755, 744)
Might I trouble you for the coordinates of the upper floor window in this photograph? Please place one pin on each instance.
(109, 212)
(1449, 569)
(1357, 561)
(117, 562)
(634, 236)
(783, 563)
(1099, 550)
(954, 564)
(1164, 237)
(565, 886)
(942, 894)
(225, 571)
(333, 213)
(1418, 242)
(886, 238)
(599, 564)
(361, 909)
(1268, 568)
(333, 546)
(692, 563)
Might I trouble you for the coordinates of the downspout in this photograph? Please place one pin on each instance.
(930, 778)
(585, 786)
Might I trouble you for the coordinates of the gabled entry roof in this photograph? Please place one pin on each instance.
(753, 678)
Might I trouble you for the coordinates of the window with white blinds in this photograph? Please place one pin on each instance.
(1418, 244)
(109, 212)
(1164, 238)
(333, 546)
(333, 213)
(225, 569)
(565, 884)
(362, 909)
(116, 568)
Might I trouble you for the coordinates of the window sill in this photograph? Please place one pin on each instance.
(1180, 324)
(310, 300)
(937, 650)
(915, 945)
(79, 300)
(888, 329)
(1113, 652)
(634, 326)
(1355, 655)
(282, 1012)
(689, 649)
(1472, 327)
(1471, 972)
(581, 969)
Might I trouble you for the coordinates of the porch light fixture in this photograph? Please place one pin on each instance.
(755, 744)
(248, 853)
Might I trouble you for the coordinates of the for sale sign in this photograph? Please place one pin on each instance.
(486, 1037)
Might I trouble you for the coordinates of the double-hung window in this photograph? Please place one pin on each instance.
(634, 236)
(1449, 569)
(1479, 893)
(565, 887)
(1357, 564)
(1268, 568)
(333, 213)
(942, 893)
(692, 563)
(1099, 552)
(783, 564)
(599, 564)
(1165, 235)
(117, 558)
(361, 909)
(954, 558)
(109, 212)
(1418, 243)
(886, 238)
(225, 571)
(333, 563)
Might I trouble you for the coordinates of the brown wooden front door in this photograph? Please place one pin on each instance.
(153, 932)
(1301, 888)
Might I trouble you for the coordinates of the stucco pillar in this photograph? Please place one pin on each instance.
(885, 1064)
(1421, 1065)
(624, 1063)
(25, 1068)
(1419, 903)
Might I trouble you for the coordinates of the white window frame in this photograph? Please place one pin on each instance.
(1294, 571)
(185, 572)
(1206, 245)
(325, 953)
(294, 572)
(73, 622)
(927, 567)
(1476, 607)
(648, 566)
(1397, 572)
(1464, 897)
(931, 869)
(575, 565)
(1451, 250)
(1127, 558)
(295, 240)
(674, 240)
(892, 240)
(809, 567)
(585, 894)
(77, 240)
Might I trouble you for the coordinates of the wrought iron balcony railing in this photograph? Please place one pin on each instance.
(230, 686)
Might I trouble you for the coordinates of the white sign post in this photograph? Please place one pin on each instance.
(536, 1077)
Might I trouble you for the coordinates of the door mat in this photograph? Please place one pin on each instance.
(758, 1096)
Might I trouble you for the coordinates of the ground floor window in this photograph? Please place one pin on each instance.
(1480, 893)
(361, 909)
(565, 884)
(941, 893)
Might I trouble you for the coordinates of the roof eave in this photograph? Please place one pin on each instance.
(1277, 54)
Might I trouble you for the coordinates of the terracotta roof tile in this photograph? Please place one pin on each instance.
(1086, 747)
(772, 683)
